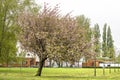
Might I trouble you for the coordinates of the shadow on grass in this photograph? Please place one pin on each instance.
(73, 77)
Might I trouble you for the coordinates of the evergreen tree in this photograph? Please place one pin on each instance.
(110, 46)
(107, 45)
(104, 43)
(96, 34)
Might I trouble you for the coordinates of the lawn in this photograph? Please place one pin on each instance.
(58, 74)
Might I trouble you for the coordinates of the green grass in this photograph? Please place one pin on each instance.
(57, 74)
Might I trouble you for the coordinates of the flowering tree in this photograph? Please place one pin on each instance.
(51, 35)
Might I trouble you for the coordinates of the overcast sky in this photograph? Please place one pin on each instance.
(99, 11)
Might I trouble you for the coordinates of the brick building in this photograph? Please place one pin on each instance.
(91, 63)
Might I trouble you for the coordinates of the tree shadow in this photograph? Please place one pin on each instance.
(74, 77)
(67, 77)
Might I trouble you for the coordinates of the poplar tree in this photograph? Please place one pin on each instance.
(96, 35)
(104, 42)
(107, 44)
(110, 45)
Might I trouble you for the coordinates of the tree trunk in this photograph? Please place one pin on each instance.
(118, 66)
(104, 69)
(3, 30)
(58, 63)
(41, 64)
(86, 63)
(71, 65)
(114, 66)
(95, 67)
(61, 64)
(66, 64)
(50, 65)
(7, 64)
(109, 69)
(0, 49)
(7, 59)
(78, 64)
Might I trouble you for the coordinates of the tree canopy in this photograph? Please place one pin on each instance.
(51, 35)
(9, 29)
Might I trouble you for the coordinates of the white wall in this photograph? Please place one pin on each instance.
(111, 65)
